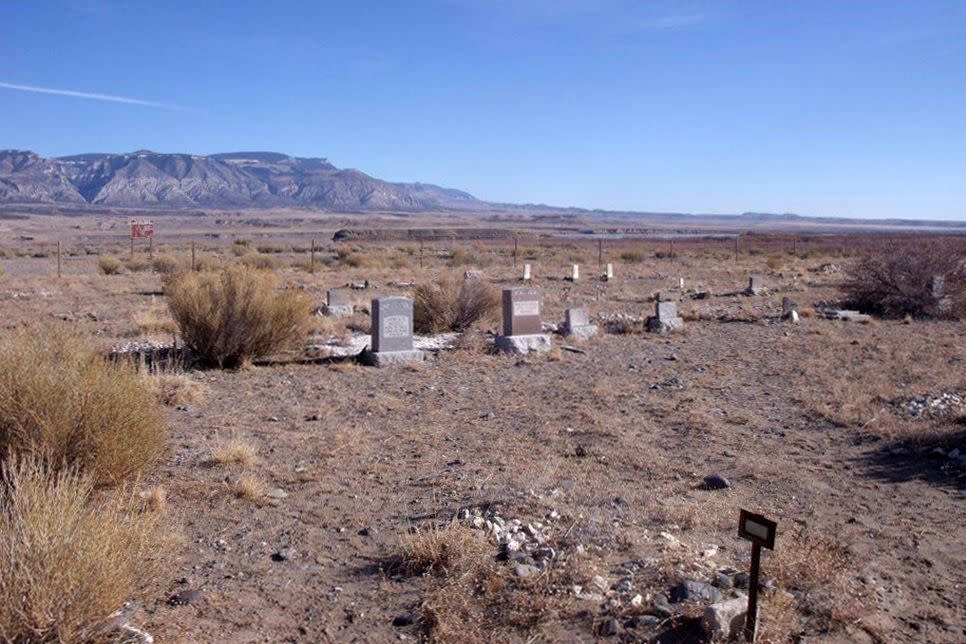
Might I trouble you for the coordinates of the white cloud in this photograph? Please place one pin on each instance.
(88, 95)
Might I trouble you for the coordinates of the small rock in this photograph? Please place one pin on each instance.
(368, 532)
(526, 570)
(715, 482)
(725, 620)
(661, 607)
(637, 600)
(730, 453)
(406, 620)
(185, 597)
(277, 493)
(694, 590)
(284, 554)
(642, 621)
(609, 627)
(741, 580)
(601, 583)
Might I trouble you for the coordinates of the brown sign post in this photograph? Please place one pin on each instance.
(761, 532)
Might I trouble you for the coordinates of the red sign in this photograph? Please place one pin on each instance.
(142, 229)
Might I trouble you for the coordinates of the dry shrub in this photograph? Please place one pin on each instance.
(167, 265)
(62, 401)
(484, 605)
(351, 257)
(69, 561)
(173, 389)
(452, 304)
(896, 280)
(258, 261)
(444, 549)
(233, 452)
(137, 265)
(109, 266)
(817, 572)
(463, 257)
(249, 487)
(236, 315)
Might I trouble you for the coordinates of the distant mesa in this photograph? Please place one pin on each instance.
(231, 180)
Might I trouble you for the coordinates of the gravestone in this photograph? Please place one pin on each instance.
(526, 272)
(681, 283)
(577, 324)
(609, 275)
(522, 325)
(392, 332)
(338, 303)
(789, 310)
(665, 318)
(668, 296)
(575, 272)
(755, 285)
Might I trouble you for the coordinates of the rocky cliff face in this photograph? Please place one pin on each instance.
(238, 179)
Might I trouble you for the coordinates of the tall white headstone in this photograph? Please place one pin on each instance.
(526, 272)
(575, 272)
(610, 272)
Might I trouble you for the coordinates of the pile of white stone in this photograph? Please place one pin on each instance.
(947, 403)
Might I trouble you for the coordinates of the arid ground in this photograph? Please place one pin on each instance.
(301, 486)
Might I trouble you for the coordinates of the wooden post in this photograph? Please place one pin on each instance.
(151, 246)
(515, 241)
(600, 253)
(751, 621)
(737, 237)
(670, 248)
(420, 254)
(59, 254)
(194, 264)
(312, 258)
(132, 245)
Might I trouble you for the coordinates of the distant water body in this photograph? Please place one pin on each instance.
(649, 234)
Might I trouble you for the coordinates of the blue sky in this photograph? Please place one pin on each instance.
(841, 108)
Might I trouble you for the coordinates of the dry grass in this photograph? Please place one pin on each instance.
(452, 303)
(817, 571)
(258, 261)
(249, 487)
(154, 319)
(154, 499)
(68, 561)
(232, 317)
(63, 402)
(441, 550)
(233, 451)
(109, 266)
(174, 388)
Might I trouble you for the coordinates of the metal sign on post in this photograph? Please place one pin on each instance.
(142, 230)
(761, 532)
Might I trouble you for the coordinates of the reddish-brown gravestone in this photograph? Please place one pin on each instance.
(521, 311)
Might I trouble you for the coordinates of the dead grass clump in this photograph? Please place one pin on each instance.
(350, 257)
(441, 550)
(63, 402)
(137, 265)
(452, 304)
(167, 265)
(258, 261)
(818, 574)
(249, 487)
(173, 389)
(67, 561)
(109, 266)
(233, 452)
(236, 315)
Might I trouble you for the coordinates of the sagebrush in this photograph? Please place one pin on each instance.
(62, 401)
(238, 314)
(70, 557)
(452, 304)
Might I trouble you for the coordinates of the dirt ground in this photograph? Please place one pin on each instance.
(608, 447)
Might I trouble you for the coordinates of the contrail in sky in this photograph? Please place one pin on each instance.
(88, 95)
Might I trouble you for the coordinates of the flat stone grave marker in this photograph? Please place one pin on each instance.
(755, 285)
(577, 324)
(392, 324)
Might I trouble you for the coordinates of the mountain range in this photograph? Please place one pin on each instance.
(232, 180)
